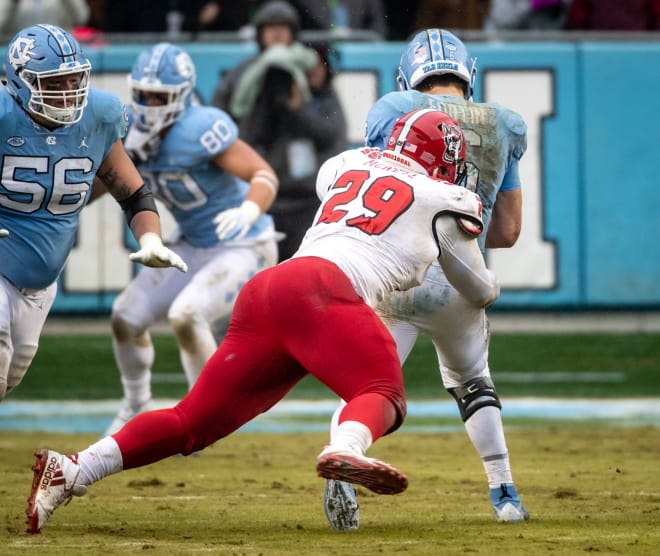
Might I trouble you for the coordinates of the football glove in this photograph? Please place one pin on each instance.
(3, 233)
(153, 253)
(140, 145)
(234, 223)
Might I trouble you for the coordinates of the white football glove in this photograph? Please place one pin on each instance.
(153, 253)
(3, 233)
(234, 223)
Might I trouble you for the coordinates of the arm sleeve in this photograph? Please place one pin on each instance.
(463, 263)
(511, 179)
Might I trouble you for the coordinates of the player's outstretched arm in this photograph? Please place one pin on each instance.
(152, 252)
(120, 177)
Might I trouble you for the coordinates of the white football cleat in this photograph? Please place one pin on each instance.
(344, 464)
(125, 414)
(341, 505)
(53, 484)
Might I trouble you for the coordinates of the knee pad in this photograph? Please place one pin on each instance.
(122, 330)
(475, 394)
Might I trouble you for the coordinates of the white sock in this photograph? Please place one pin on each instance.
(497, 470)
(353, 435)
(334, 422)
(99, 460)
(137, 392)
(134, 362)
(486, 432)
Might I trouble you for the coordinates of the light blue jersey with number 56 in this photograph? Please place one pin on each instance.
(45, 180)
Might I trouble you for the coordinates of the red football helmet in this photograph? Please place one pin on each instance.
(428, 141)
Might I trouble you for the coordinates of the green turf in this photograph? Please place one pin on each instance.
(590, 490)
(82, 367)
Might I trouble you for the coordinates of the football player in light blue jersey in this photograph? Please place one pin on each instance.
(436, 71)
(218, 189)
(56, 135)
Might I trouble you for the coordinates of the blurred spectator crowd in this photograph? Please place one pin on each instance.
(385, 19)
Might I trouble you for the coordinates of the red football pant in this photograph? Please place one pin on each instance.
(301, 316)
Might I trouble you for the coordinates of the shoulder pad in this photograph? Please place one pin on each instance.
(512, 120)
(106, 106)
(466, 208)
(198, 119)
(381, 118)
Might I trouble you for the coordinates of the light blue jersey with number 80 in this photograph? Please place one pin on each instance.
(194, 189)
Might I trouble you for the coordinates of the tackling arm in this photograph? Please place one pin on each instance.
(463, 263)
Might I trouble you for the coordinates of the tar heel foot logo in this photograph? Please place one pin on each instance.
(15, 141)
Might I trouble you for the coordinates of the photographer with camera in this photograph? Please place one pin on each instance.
(289, 112)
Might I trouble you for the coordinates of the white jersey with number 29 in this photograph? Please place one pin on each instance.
(384, 224)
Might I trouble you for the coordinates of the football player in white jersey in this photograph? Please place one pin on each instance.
(436, 71)
(385, 216)
(56, 134)
(218, 189)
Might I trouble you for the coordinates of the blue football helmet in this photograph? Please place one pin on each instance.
(435, 52)
(36, 55)
(164, 69)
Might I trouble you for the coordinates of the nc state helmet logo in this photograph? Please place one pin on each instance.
(453, 143)
(20, 52)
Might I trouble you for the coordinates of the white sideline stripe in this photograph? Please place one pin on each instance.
(95, 416)
(500, 376)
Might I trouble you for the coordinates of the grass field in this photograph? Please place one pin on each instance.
(583, 365)
(589, 490)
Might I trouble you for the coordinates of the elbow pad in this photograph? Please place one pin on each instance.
(141, 200)
(470, 226)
